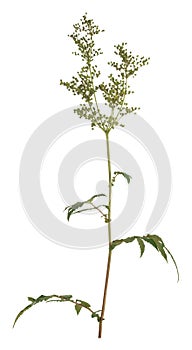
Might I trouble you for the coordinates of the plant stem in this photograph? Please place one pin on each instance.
(109, 237)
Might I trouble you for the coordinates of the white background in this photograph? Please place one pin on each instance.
(146, 308)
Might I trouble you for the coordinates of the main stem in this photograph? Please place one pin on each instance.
(109, 237)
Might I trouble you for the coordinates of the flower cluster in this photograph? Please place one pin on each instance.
(114, 91)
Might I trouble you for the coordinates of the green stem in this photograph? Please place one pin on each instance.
(109, 237)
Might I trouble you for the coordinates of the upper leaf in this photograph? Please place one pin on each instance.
(125, 175)
(72, 209)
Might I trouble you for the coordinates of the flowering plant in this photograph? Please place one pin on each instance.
(114, 93)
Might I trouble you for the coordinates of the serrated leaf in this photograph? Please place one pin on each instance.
(149, 240)
(160, 245)
(78, 308)
(141, 245)
(126, 176)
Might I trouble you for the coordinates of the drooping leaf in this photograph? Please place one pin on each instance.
(174, 263)
(78, 308)
(160, 245)
(21, 313)
(141, 245)
(155, 240)
(72, 209)
(149, 240)
(79, 304)
(126, 176)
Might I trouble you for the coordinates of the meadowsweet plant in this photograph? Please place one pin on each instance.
(87, 83)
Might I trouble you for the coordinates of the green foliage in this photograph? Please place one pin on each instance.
(79, 304)
(154, 240)
(116, 173)
(141, 244)
(96, 314)
(78, 308)
(115, 90)
(73, 209)
(83, 303)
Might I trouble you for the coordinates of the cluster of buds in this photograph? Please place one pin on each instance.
(114, 91)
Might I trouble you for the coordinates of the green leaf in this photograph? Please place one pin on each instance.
(129, 239)
(160, 245)
(126, 176)
(95, 314)
(78, 308)
(21, 313)
(72, 209)
(84, 303)
(119, 241)
(115, 243)
(67, 297)
(174, 263)
(142, 245)
(149, 240)
(43, 298)
(31, 299)
(79, 304)
(95, 196)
